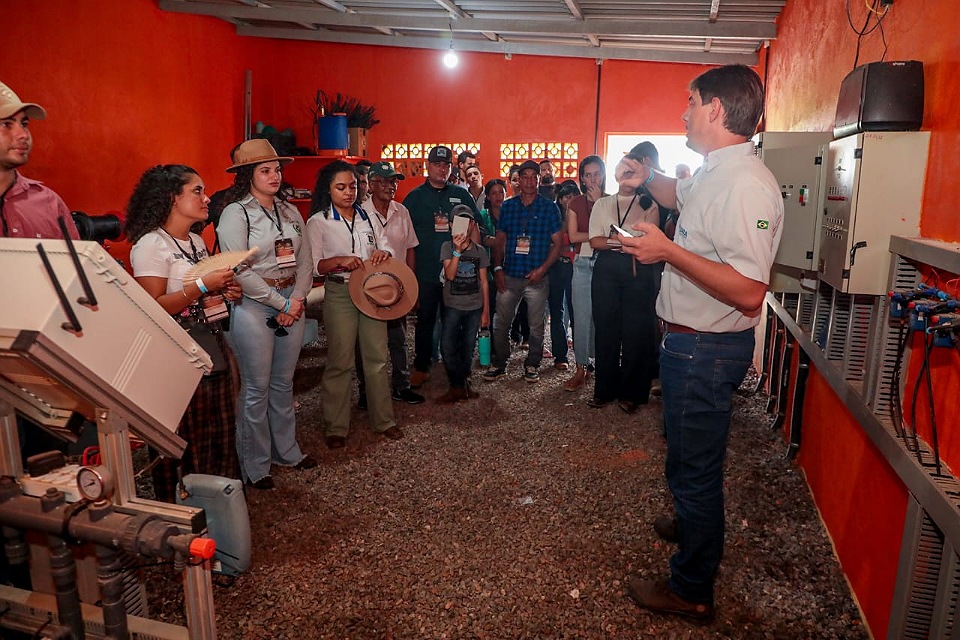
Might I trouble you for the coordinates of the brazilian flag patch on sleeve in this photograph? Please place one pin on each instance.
(763, 224)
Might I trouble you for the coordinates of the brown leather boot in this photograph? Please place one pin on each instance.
(577, 380)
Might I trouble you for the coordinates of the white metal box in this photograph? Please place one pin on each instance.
(796, 159)
(131, 357)
(874, 191)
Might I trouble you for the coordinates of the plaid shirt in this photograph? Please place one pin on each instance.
(539, 221)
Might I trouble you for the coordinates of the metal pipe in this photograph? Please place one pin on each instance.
(799, 394)
(784, 376)
(63, 570)
(110, 579)
(775, 365)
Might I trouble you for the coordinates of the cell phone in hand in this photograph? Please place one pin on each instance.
(621, 231)
(461, 225)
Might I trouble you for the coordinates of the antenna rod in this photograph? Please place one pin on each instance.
(74, 321)
(88, 299)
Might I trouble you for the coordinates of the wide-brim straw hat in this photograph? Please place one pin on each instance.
(254, 152)
(386, 291)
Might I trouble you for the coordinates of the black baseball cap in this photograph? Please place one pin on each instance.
(440, 154)
(529, 164)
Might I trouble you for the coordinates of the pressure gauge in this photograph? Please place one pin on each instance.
(95, 483)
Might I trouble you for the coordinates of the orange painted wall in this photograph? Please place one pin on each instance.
(487, 99)
(860, 498)
(814, 51)
(125, 86)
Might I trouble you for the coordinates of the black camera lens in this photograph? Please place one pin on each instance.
(97, 228)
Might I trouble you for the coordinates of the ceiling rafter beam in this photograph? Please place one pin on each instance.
(336, 6)
(451, 8)
(594, 40)
(482, 46)
(641, 27)
(714, 10)
(574, 9)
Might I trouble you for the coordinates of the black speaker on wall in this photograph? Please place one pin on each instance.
(881, 96)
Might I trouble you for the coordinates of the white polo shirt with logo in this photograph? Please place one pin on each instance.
(731, 212)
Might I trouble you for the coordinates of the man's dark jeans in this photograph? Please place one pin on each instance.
(430, 301)
(699, 373)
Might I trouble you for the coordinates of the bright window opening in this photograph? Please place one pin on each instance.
(673, 151)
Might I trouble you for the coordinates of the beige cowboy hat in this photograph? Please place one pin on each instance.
(254, 152)
(10, 103)
(386, 291)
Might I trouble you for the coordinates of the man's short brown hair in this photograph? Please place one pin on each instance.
(740, 92)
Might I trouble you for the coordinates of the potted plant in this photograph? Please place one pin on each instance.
(359, 118)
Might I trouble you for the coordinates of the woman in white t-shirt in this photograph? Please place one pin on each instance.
(166, 210)
(341, 237)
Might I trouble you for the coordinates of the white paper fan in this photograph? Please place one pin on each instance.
(226, 259)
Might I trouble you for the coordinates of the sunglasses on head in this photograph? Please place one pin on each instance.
(278, 330)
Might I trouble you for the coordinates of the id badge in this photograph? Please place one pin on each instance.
(286, 258)
(441, 224)
(523, 245)
(214, 307)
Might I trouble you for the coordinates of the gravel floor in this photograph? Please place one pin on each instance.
(517, 515)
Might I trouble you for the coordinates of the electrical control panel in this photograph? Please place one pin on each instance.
(796, 160)
(874, 189)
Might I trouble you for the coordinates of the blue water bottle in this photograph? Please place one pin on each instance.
(483, 346)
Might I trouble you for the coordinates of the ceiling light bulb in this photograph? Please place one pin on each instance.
(450, 59)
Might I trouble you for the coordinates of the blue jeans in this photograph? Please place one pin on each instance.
(266, 422)
(507, 302)
(458, 343)
(561, 309)
(699, 373)
(582, 295)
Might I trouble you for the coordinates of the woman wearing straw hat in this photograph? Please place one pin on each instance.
(266, 328)
(341, 238)
(167, 207)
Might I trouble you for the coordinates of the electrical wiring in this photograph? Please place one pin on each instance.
(933, 411)
(896, 405)
(955, 283)
(867, 29)
(915, 397)
(873, 9)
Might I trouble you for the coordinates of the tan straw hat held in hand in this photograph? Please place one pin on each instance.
(384, 292)
(254, 152)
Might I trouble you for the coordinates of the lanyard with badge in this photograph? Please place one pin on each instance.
(213, 306)
(523, 240)
(282, 246)
(371, 239)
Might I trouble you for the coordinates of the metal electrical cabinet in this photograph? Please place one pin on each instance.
(874, 189)
(795, 158)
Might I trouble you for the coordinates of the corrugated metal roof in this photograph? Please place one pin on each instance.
(695, 31)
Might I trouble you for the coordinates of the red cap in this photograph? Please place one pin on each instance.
(203, 548)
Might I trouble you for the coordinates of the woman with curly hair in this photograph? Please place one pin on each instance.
(342, 237)
(267, 324)
(167, 209)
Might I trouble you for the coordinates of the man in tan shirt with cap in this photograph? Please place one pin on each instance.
(28, 209)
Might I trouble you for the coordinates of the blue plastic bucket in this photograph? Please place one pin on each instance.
(332, 132)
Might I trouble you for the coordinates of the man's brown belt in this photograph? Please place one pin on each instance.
(670, 327)
(281, 283)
